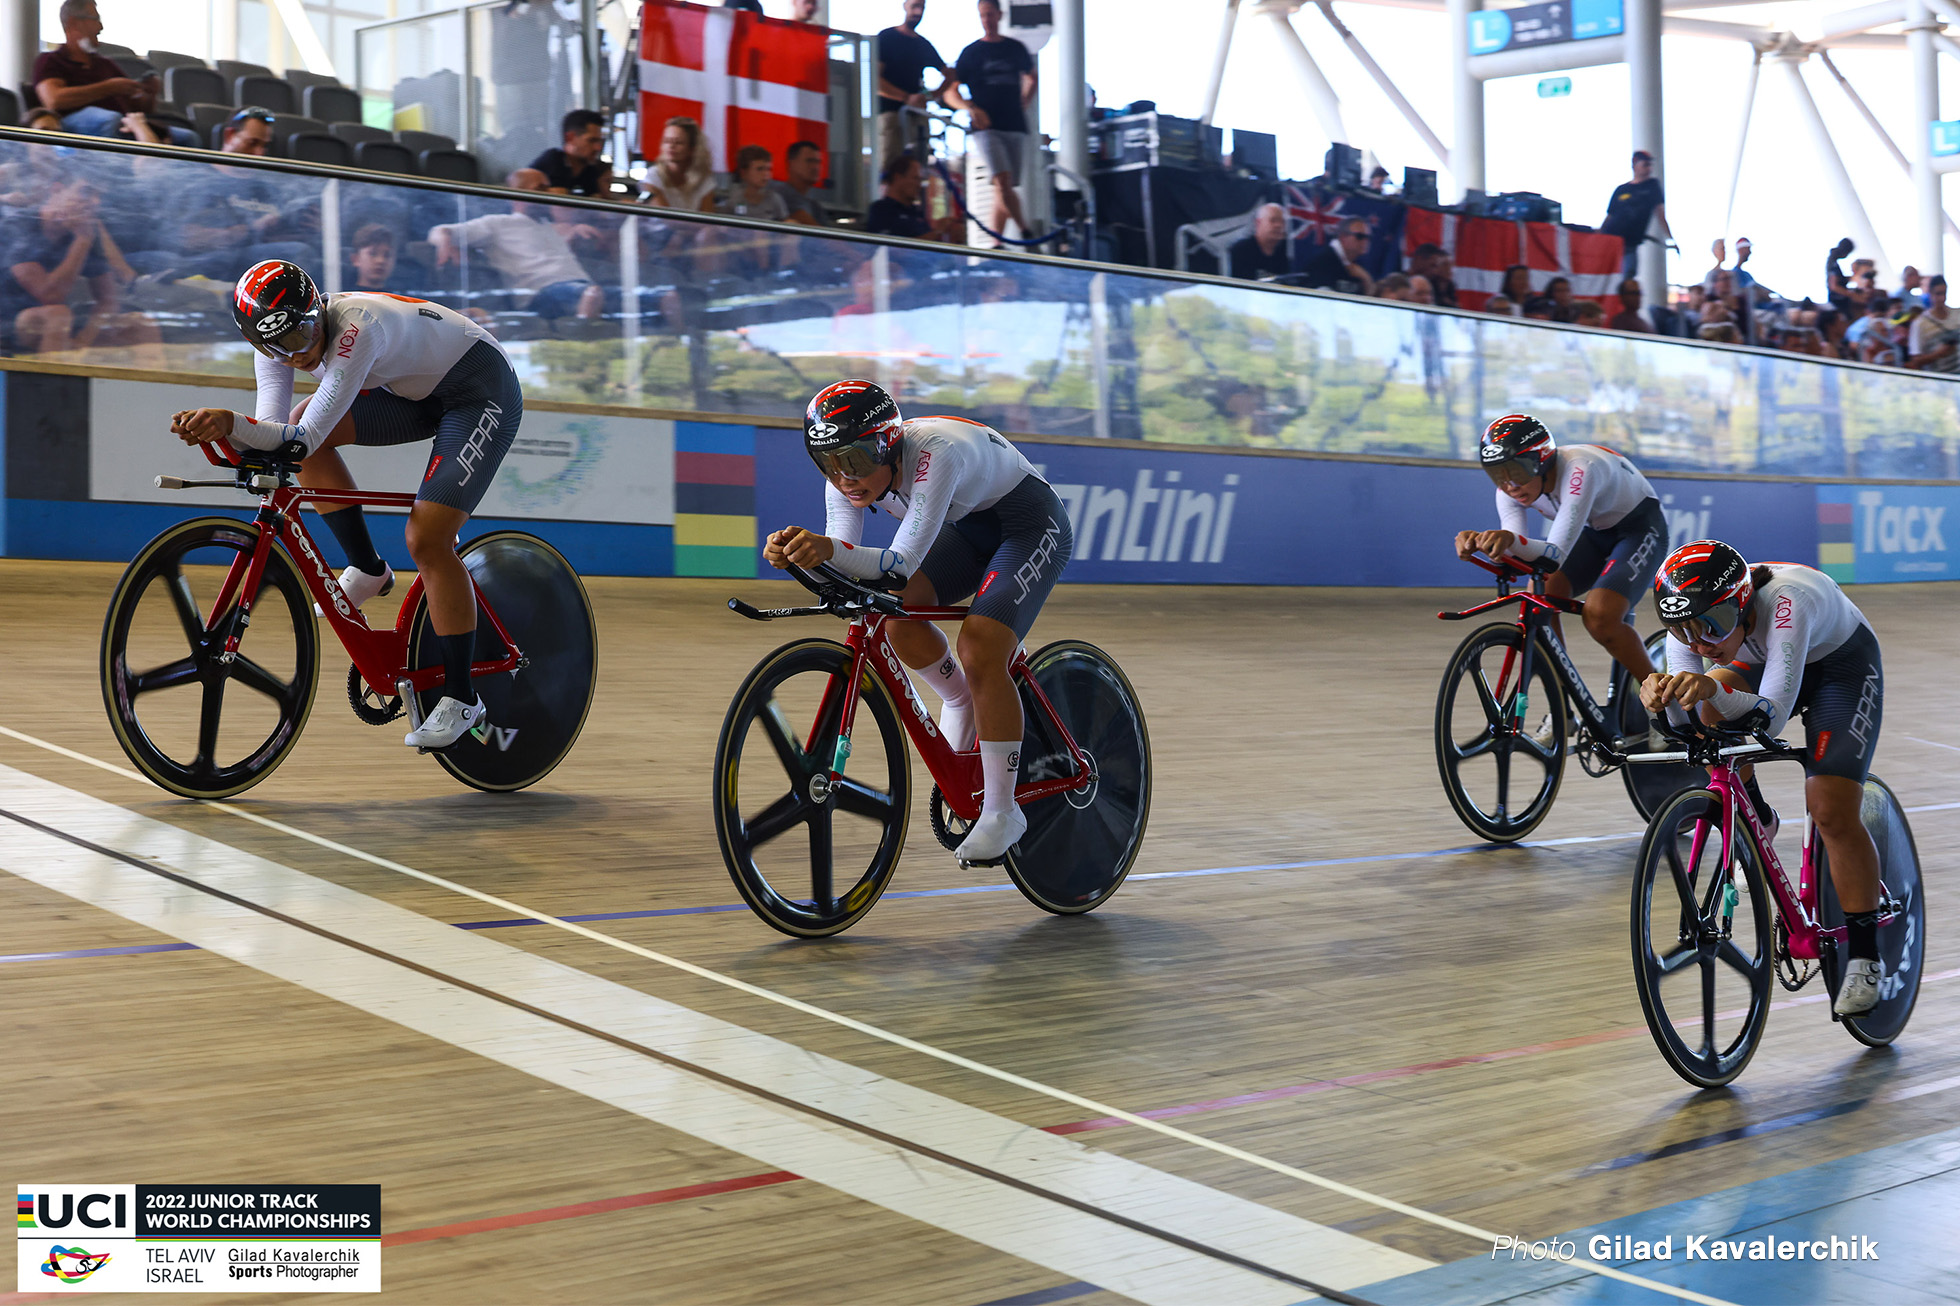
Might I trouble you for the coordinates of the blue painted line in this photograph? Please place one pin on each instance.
(1042, 1296)
(101, 952)
(1728, 1136)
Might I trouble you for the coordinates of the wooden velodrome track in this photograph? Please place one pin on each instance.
(1452, 1030)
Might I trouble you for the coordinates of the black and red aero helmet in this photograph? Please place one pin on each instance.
(1515, 449)
(851, 428)
(1702, 591)
(277, 308)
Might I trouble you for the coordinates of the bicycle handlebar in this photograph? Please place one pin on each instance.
(840, 595)
(1705, 745)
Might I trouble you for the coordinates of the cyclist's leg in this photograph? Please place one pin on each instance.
(1843, 700)
(1637, 545)
(386, 419)
(950, 571)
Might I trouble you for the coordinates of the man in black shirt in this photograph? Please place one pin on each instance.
(899, 212)
(577, 169)
(1634, 205)
(1263, 254)
(903, 57)
(1000, 79)
(1337, 264)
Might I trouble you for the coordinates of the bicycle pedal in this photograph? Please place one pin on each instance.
(989, 862)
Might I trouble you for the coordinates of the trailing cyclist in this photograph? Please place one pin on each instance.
(391, 370)
(1773, 641)
(975, 518)
(1607, 529)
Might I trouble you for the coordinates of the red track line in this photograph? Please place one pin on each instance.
(577, 1209)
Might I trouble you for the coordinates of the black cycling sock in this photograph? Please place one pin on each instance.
(349, 526)
(457, 653)
(1861, 935)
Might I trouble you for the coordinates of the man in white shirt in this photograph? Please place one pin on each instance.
(529, 253)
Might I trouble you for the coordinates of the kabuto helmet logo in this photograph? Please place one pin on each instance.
(273, 323)
(1674, 605)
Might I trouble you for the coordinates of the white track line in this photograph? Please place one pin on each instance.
(1090, 1105)
(1933, 743)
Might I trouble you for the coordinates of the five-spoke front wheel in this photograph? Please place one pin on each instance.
(195, 722)
(1500, 738)
(809, 853)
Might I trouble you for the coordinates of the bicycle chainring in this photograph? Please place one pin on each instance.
(1788, 973)
(1595, 758)
(368, 705)
(943, 823)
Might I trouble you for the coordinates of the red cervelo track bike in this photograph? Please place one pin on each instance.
(172, 664)
(1085, 768)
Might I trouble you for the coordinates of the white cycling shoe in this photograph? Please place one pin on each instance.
(1546, 735)
(451, 720)
(359, 587)
(986, 844)
(1858, 993)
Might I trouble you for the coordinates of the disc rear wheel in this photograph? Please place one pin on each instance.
(1902, 922)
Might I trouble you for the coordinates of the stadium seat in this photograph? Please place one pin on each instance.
(110, 51)
(232, 69)
(418, 142)
(318, 147)
(269, 93)
(134, 66)
(9, 107)
(301, 79)
(354, 133)
(171, 59)
(195, 84)
(449, 165)
(331, 103)
(207, 119)
(384, 156)
(286, 125)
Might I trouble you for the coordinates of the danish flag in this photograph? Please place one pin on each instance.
(747, 79)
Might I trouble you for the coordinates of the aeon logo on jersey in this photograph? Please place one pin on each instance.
(346, 344)
(1150, 522)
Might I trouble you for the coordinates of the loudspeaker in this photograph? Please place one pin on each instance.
(1419, 187)
(1343, 166)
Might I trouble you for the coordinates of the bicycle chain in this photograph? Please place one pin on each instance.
(1787, 972)
(368, 705)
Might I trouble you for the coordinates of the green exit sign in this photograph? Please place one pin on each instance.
(1552, 87)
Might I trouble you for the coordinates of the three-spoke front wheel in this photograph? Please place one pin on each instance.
(191, 720)
(810, 855)
(1702, 947)
(1500, 741)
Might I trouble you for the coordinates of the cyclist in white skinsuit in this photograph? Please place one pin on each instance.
(975, 518)
(1780, 639)
(391, 370)
(1607, 531)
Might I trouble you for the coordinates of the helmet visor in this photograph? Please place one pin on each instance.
(852, 461)
(1710, 627)
(293, 341)
(1512, 471)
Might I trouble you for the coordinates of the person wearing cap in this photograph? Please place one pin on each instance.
(1634, 207)
(1934, 339)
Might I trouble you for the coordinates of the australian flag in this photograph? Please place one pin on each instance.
(1315, 214)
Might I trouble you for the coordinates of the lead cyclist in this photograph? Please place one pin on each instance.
(975, 518)
(391, 370)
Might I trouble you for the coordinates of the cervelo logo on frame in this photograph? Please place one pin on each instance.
(1149, 522)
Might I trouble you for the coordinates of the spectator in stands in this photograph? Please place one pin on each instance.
(1628, 318)
(1540, 308)
(903, 57)
(1734, 311)
(1559, 291)
(1433, 263)
(1394, 286)
(1588, 313)
(1378, 179)
(750, 196)
(1836, 287)
(999, 75)
(1934, 342)
(1263, 254)
(51, 251)
(1337, 264)
(680, 178)
(1636, 205)
(225, 219)
(1501, 306)
(87, 90)
(43, 120)
(802, 170)
(1873, 318)
(803, 11)
(1911, 290)
(1720, 249)
(1745, 281)
(898, 212)
(1421, 290)
(576, 168)
(374, 261)
(1516, 285)
(528, 252)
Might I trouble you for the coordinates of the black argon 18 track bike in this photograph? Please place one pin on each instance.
(1506, 712)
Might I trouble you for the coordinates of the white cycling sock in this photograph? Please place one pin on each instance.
(949, 682)
(1000, 766)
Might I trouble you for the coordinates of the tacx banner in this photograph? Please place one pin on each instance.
(1315, 214)
(1151, 516)
(747, 79)
(1484, 248)
(1870, 534)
